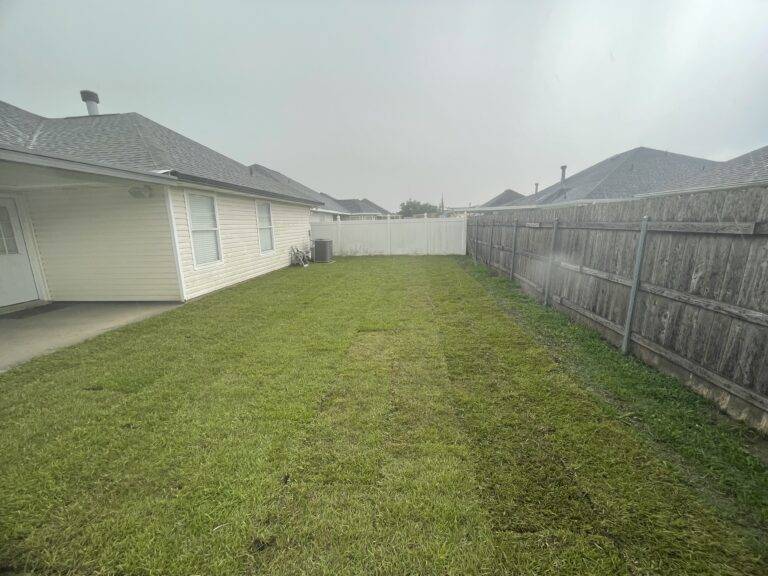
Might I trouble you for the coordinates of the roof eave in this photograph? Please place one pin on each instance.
(45, 161)
(193, 179)
(329, 211)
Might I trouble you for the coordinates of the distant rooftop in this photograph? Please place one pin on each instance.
(326, 202)
(646, 170)
(506, 197)
(362, 206)
(749, 167)
(636, 171)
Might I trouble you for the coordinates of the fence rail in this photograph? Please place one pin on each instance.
(679, 280)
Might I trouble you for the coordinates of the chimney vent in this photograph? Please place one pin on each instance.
(536, 188)
(91, 100)
(562, 174)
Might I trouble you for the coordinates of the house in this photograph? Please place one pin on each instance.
(637, 171)
(362, 209)
(745, 169)
(327, 208)
(645, 171)
(116, 207)
(507, 197)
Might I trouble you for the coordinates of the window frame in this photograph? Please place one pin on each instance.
(218, 262)
(4, 251)
(271, 227)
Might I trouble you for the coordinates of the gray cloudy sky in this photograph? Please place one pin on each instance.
(390, 100)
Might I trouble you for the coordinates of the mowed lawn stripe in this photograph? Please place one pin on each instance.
(572, 487)
(384, 483)
(155, 452)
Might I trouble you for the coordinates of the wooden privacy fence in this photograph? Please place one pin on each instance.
(394, 236)
(680, 280)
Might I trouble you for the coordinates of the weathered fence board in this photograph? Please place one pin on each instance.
(693, 301)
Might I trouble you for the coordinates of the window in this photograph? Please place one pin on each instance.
(7, 239)
(205, 228)
(266, 231)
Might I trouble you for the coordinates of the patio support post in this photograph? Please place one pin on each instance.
(551, 263)
(639, 252)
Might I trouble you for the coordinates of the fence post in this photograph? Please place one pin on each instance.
(426, 233)
(512, 251)
(389, 235)
(338, 234)
(551, 263)
(490, 242)
(639, 252)
(464, 232)
(471, 235)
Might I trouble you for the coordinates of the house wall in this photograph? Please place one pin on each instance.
(239, 240)
(101, 244)
(321, 217)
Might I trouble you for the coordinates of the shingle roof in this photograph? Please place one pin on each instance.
(636, 171)
(749, 167)
(327, 202)
(503, 199)
(362, 206)
(133, 142)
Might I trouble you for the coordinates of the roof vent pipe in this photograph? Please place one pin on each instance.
(91, 100)
(536, 188)
(562, 175)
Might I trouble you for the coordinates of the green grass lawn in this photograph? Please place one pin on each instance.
(371, 416)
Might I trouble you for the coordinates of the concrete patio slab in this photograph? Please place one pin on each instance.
(35, 331)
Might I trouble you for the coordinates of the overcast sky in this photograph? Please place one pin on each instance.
(390, 100)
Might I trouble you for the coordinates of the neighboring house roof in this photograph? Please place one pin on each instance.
(136, 143)
(749, 167)
(333, 205)
(637, 171)
(327, 203)
(506, 197)
(362, 206)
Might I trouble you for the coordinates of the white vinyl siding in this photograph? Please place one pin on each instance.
(205, 228)
(319, 217)
(239, 236)
(101, 244)
(266, 231)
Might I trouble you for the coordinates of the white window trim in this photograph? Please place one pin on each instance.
(30, 241)
(215, 263)
(271, 228)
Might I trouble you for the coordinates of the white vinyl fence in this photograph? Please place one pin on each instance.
(385, 237)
